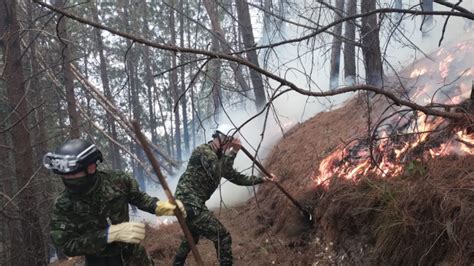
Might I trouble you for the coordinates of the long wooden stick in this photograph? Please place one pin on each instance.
(305, 211)
(164, 184)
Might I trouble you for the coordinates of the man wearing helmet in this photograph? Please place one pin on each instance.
(91, 216)
(207, 165)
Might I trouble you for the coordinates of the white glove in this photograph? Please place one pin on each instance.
(129, 232)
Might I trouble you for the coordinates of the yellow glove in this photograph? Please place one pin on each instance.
(166, 208)
(181, 208)
(129, 232)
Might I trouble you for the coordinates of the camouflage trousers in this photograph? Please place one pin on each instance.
(202, 222)
(130, 255)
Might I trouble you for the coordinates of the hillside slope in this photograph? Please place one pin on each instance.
(425, 215)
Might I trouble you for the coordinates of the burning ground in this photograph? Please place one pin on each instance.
(424, 215)
(386, 185)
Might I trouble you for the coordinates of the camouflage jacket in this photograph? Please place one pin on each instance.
(203, 175)
(79, 221)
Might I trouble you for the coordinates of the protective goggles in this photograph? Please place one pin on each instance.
(66, 163)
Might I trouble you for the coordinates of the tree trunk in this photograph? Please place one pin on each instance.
(427, 5)
(31, 250)
(191, 67)
(336, 47)
(272, 25)
(371, 45)
(170, 107)
(268, 18)
(349, 47)
(136, 115)
(149, 79)
(89, 122)
(39, 133)
(163, 119)
(104, 76)
(245, 25)
(126, 7)
(184, 111)
(174, 85)
(11, 227)
(150, 83)
(214, 66)
(397, 4)
(397, 16)
(211, 8)
(67, 72)
(214, 70)
(37, 98)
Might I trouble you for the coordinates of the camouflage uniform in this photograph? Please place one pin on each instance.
(79, 221)
(195, 187)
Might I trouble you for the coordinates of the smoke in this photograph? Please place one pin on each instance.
(306, 65)
(254, 134)
(416, 43)
(257, 133)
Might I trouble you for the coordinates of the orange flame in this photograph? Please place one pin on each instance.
(386, 157)
(444, 65)
(417, 72)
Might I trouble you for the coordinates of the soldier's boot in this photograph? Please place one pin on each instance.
(182, 253)
(184, 250)
(179, 261)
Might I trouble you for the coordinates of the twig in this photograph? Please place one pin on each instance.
(24, 187)
(283, 81)
(446, 23)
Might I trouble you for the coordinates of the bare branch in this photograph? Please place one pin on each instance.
(453, 6)
(23, 187)
(282, 81)
(375, 11)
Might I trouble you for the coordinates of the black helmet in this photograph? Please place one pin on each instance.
(72, 157)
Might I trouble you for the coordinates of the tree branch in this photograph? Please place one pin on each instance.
(282, 81)
(453, 6)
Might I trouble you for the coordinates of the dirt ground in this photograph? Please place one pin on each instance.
(253, 243)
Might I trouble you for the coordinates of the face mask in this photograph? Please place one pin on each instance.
(80, 185)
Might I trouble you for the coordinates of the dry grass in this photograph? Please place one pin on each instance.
(414, 219)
